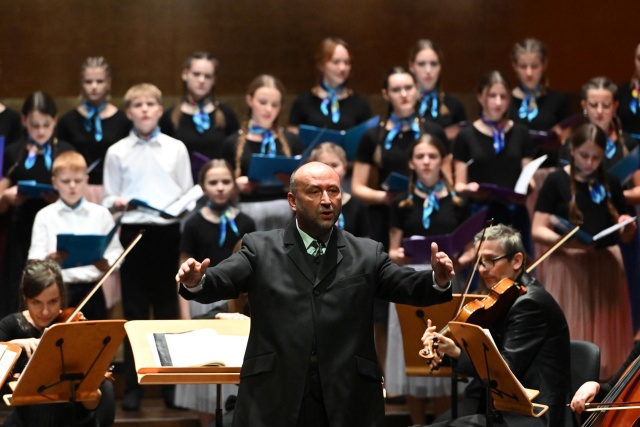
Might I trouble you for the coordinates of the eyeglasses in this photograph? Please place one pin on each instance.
(489, 263)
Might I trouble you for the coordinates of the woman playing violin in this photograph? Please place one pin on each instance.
(531, 335)
(44, 295)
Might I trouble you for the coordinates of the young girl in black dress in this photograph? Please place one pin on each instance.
(199, 120)
(425, 61)
(331, 104)
(28, 159)
(429, 208)
(494, 150)
(211, 233)
(588, 281)
(267, 205)
(96, 124)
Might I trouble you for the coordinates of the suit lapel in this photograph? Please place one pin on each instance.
(295, 250)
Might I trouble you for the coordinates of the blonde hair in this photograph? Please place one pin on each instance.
(263, 80)
(329, 148)
(142, 89)
(69, 160)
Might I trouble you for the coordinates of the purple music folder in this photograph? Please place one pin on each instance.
(419, 247)
(502, 193)
(198, 160)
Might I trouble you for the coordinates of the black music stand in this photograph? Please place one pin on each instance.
(69, 364)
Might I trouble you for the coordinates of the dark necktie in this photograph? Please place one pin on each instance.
(318, 249)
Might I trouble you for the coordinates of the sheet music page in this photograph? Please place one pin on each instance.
(613, 228)
(522, 185)
(202, 347)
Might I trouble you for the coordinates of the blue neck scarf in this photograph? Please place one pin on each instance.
(429, 97)
(529, 107)
(331, 102)
(93, 119)
(153, 135)
(431, 202)
(497, 129)
(635, 96)
(596, 191)
(201, 119)
(610, 149)
(225, 219)
(413, 123)
(34, 149)
(268, 140)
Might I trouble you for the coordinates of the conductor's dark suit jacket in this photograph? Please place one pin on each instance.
(290, 306)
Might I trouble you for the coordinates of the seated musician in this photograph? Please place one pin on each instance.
(44, 296)
(592, 390)
(531, 335)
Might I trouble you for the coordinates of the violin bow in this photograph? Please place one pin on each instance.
(106, 275)
(553, 248)
(467, 285)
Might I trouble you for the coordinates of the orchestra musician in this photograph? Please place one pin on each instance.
(532, 336)
(44, 296)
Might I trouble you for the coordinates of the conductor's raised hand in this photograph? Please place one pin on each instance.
(191, 271)
(442, 266)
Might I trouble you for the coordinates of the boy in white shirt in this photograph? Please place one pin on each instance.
(150, 166)
(72, 214)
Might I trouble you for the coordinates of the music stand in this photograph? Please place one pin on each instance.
(9, 354)
(150, 373)
(69, 364)
(413, 322)
(507, 392)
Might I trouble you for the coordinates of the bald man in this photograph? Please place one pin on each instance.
(310, 360)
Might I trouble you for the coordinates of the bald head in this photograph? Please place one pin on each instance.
(309, 171)
(316, 198)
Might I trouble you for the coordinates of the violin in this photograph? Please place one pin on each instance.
(486, 311)
(71, 314)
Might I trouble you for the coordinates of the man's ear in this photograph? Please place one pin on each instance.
(292, 201)
(518, 261)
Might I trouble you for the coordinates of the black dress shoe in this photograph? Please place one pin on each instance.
(131, 401)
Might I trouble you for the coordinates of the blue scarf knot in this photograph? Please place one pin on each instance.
(497, 129)
(268, 140)
(529, 107)
(225, 219)
(596, 191)
(93, 119)
(201, 119)
(413, 123)
(610, 149)
(34, 149)
(331, 101)
(431, 202)
(430, 97)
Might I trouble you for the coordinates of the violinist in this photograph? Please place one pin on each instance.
(532, 336)
(44, 296)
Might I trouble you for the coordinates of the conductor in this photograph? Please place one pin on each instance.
(310, 359)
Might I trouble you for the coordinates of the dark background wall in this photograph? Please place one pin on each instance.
(43, 42)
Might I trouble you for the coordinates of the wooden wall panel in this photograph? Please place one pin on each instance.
(43, 42)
